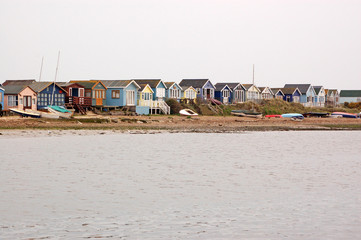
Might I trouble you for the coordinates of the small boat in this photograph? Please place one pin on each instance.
(273, 116)
(60, 111)
(293, 116)
(344, 114)
(246, 113)
(215, 101)
(316, 114)
(24, 113)
(44, 114)
(188, 112)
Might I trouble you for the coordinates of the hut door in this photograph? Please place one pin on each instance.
(99, 97)
(27, 102)
(130, 98)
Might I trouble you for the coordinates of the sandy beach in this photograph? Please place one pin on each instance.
(98, 124)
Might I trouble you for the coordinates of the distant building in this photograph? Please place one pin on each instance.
(307, 98)
(205, 89)
(320, 98)
(350, 96)
(332, 97)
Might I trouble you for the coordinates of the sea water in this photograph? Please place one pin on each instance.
(253, 185)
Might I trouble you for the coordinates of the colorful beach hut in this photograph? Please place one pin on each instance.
(223, 93)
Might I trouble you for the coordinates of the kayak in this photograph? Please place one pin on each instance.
(293, 115)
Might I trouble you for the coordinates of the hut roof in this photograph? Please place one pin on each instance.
(196, 83)
(25, 82)
(350, 93)
(153, 83)
(302, 87)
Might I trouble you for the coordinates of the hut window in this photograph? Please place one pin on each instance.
(198, 90)
(225, 93)
(33, 101)
(160, 92)
(115, 93)
(12, 101)
(21, 101)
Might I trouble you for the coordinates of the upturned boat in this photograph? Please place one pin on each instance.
(344, 114)
(316, 114)
(43, 114)
(246, 113)
(188, 112)
(60, 111)
(24, 113)
(293, 115)
(273, 116)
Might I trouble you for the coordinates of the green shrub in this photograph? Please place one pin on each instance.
(174, 105)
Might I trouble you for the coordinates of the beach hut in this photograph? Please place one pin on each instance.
(291, 94)
(189, 94)
(145, 99)
(266, 93)
(94, 89)
(223, 93)
(238, 93)
(121, 93)
(2, 91)
(75, 96)
(332, 97)
(157, 85)
(205, 89)
(320, 97)
(277, 93)
(173, 91)
(350, 96)
(308, 94)
(252, 93)
(48, 93)
(20, 97)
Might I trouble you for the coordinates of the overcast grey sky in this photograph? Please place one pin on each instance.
(289, 41)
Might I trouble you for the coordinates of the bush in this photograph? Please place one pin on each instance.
(174, 105)
(355, 105)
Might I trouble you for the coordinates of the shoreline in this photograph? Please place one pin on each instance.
(170, 124)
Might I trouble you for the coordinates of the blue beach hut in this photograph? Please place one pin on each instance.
(48, 93)
(173, 91)
(308, 94)
(2, 90)
(120, 93)
(223, 93)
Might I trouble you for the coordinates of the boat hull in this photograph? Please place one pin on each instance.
(273, 116)
(67, 114)
(293, 115)
(44, 114)
(188, 112)
(344, 114)
(24, 113)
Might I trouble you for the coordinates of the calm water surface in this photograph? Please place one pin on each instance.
(259, 185)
